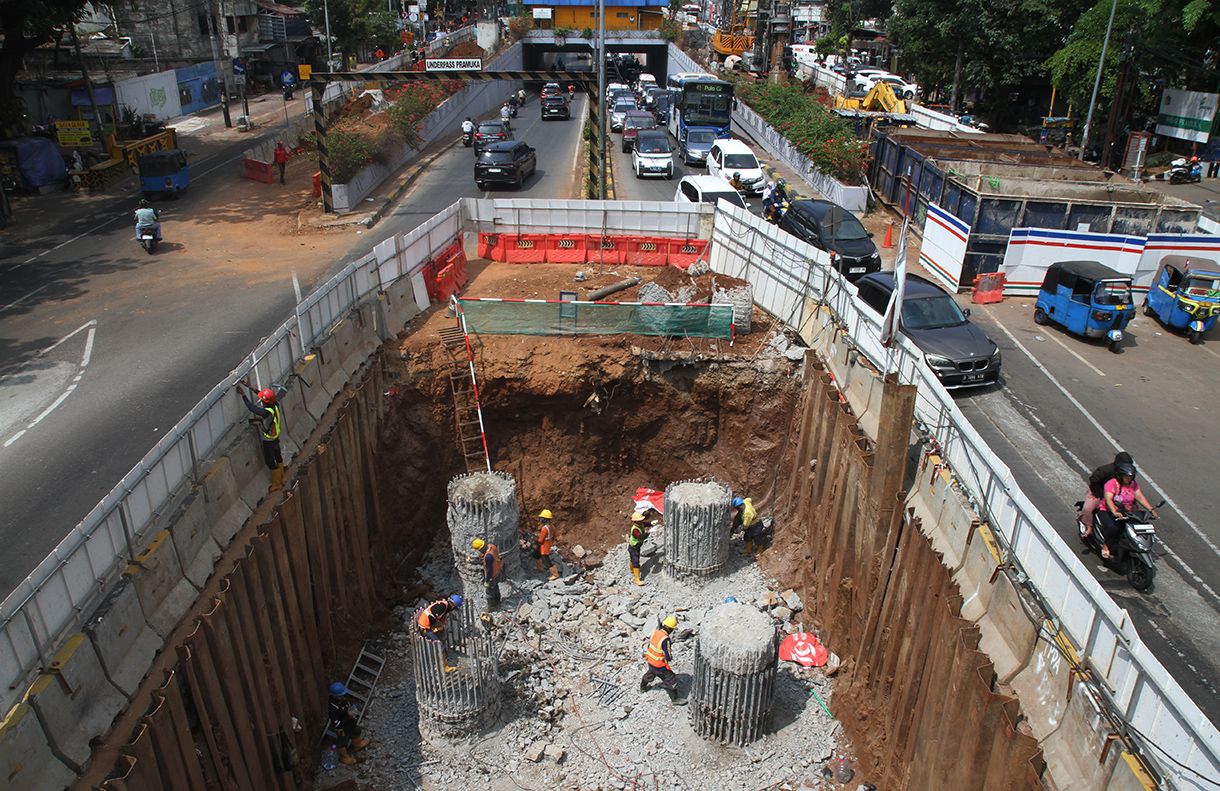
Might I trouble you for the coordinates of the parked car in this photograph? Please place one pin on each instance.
(828, 226)
(621, 108)
(633, 122)
(652, 154)
(489, 132)
(706, 189)
(555, 107)
(954, 348)
(695, 144)
(727, 157)
(507, 162)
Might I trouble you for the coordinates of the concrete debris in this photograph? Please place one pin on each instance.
(580, 277)
(769, 600)
(651, 292)
(554, 753)
(791, 600)
(781, 614)
(535, 751)
(698, 268)
(579, 551)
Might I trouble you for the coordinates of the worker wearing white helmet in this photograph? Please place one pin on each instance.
(658, 656)
(635, 539)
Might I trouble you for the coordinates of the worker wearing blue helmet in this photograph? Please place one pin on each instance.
(343, 722)
(746, 518)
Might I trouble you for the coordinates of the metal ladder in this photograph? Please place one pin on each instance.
(469, 417)
(360, 684)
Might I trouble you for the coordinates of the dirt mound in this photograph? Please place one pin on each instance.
(467, 49)
(356, 107)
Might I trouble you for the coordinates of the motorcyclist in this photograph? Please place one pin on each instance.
(780, 194)
(505, 113)
(521, 96)
(1121, 493)
(467, 126)
(571, 90)
(1095, 495)
(736, 182)
(146, 217)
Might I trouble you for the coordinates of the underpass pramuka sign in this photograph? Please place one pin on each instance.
(453, 64)
(1186, 115)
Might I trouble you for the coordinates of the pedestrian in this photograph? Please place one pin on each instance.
(635, 539)
(281, 157)
(343, 722)
(1213, 168)
(270, 423)
(658, 656)
(490, 559)
(546, 535)
(746, 518)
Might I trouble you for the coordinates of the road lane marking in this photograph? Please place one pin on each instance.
(84, 363)
(1074, 354)
(16, 302)
(1114, 443)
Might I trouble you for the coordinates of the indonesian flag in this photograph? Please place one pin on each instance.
(649, 498)
(803, 648)
(892, 320)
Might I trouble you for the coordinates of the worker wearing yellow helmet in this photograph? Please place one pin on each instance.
(658, 656)
(542, 554)
(635, 539)
(489, 557)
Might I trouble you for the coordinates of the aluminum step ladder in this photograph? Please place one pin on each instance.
(361, 683)
(467, 413)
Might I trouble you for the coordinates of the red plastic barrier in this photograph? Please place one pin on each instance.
(259, 171)
(457, 260)
(317, 184)
(491, 246)
(684, 252)
(647, 251)
(567, 249)
(446, 283)
(988, 288)
(528, 248)
(607, 249)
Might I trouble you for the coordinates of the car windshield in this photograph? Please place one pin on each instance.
(641, 123)
(849, 230)
(1201, 287)
(700, 137)
(491, 129)
(653, 145)
(496, 156)
(732, 197)
(740, 161)
(623, 106)
(928, 313)
(1113, 292)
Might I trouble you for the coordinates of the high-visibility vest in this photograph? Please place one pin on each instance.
(271, 423)
(429, 621)
(749, 517)
(658, 649)
(496, 565)
(637, 534)
(545, 536)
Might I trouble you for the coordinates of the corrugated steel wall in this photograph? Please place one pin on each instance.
(256, 659)
(915, 695)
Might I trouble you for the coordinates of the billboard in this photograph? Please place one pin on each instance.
(1186, 115)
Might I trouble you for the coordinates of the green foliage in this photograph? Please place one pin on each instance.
(826, 45)
(412, 103)
(350, 152)
(353, 22)
(25, 26)
(815, 131)
(587, 33)
(670, 29)
(563, 32)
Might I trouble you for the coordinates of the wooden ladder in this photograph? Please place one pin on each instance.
(468, 416)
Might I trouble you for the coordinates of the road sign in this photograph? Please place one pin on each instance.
(74, 133)
(288, 78)
(413, 16)
(413, 9)
(407, 37)
(239, 78)
(453, 64)
(239, 66)
(305, 71)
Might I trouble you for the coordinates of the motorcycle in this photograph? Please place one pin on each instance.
(512, 107)
(468, 138)
(1183, 172)
(148, 239)
(1133, 548)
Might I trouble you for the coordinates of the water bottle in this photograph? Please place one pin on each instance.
(843, 770)
(330, 757)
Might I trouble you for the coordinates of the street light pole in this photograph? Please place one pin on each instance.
(601, 92)
(1084, 140)
(326, 15)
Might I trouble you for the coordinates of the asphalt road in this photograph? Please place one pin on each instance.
(104, 348)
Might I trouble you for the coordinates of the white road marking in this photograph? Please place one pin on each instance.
(1072, 352)
(23, 299)
(84, 363)
(1114, 443)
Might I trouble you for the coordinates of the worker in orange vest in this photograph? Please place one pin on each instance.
(542, 555)
(658, 656)
(490, 558)
(431, 623)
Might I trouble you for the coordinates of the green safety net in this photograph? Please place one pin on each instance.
(537, 317)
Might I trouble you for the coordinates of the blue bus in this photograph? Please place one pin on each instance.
(699, 100)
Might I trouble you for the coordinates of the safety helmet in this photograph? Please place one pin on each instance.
(478, 543)
(545, 514)
(143, 204)
(781, 183)
(637, 517)
(337, 689)
(670, 623)
(457, 600)
(267, 396)
(1125, 469)
(738, 502)
(737, 174)
(731, 600)
(1194, 159)
(279, 142)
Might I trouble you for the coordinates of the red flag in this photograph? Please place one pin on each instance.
(649, 497)
(803, 648)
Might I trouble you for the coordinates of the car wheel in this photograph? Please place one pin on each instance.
(1147, 310)
(1040, 316)
(908, 95)
(669, 174)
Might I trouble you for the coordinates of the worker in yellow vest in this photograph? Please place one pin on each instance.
(635, 539)
(270, 423)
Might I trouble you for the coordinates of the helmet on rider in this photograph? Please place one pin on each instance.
(781, 184)
(738, 502)
(736, 174)
(337, 689)
(1193, 160)
(456, 600)
(1125, 471)
(267, 396)
(144, 204)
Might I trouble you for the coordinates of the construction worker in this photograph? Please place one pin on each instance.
(271, 421)
(343, 722)
(635, 540)
(432, 619)
(490, 558)
(745, 517)
(542, 554)
(658, 656)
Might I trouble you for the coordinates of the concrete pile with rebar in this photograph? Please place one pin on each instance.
(483, 505)
(698, 521)
(457, 683)
(734, 678)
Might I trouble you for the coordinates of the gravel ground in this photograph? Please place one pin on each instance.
(572, 714)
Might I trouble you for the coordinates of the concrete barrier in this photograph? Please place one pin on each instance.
(74, 701)
(298, 424)
(356, 340)
(164, 591)
(122, 638)
(330, 359)
(250, 473)
(225, 510)
(193, 540)
(308, 378)
(25, 756)
(397, 307)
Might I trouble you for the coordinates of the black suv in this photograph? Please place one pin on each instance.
(510, 162)
(555, 107)
(955, 349)
(830, 227)
(489, 132)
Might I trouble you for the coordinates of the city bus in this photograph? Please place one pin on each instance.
(699, 100)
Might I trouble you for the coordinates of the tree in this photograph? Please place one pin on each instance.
(353, 22)
(845, 15)
(25, 26)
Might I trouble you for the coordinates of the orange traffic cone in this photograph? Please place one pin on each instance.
(889, 235)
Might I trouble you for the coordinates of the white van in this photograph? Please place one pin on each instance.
(644, 82)
(733, 156)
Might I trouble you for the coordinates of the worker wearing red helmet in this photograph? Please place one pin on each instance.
(270, 423)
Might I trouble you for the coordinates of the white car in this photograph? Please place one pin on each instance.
(727, 157)
(902, 89)
(619, 113)
(652, 155)
(613, 87)
(706, 189)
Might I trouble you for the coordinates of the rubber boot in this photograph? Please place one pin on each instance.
(636, 572)
(554, 573)
(749, 548)
(360, 744)
(674, 699)
(277, 479)
(345, 758)
(538, 564)
(643, 685)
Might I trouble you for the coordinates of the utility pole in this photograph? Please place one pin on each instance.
(1101, 62)
(221, 82)
(601, 92)
(1118, 104)
(97, 114)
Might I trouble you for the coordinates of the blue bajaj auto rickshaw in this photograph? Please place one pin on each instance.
(1185, 294)
(164, 172)
(1086, 298)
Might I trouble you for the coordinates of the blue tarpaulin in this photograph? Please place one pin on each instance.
(104, 96)
(39, 161)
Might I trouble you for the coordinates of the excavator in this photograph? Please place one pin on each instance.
(881, 97)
